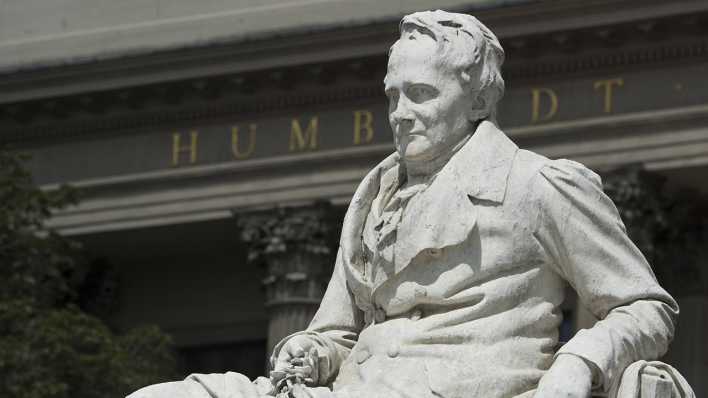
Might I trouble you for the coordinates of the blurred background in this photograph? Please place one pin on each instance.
(213, 147)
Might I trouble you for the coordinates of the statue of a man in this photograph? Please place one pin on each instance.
(455, 252)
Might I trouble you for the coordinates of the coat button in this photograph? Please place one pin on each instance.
(416, 314)
(362, 355)
(393, 350)
(380, 315)
(420, 292)
(434, 252)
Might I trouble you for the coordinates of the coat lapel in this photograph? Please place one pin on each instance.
(350, 242)
(443, 215)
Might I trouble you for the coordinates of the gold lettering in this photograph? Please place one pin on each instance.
(536, 104)
(235, 146)
(608, 86)
(178, 148)
(362, 121)
(300, 141)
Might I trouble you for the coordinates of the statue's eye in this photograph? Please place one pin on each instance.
(420, 93)
(392, 99)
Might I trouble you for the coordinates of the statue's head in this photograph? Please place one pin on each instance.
(443, 76)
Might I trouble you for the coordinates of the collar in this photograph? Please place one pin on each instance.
(480, 169)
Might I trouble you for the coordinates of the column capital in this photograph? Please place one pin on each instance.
(285, 230)
(296, 247)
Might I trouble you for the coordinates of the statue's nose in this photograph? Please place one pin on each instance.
(403, 117)
(406, 123)
(403, 113)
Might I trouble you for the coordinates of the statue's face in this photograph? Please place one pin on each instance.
(428, 108)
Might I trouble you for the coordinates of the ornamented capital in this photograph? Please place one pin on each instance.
(296, 246)
(289, 232)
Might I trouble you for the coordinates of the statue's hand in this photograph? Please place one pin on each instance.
(568, 377)
(297, 361)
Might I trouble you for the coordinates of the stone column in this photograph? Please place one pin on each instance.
(295, 247)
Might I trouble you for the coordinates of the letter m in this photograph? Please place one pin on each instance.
(300, 141)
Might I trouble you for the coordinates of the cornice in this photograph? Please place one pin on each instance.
(595, 61)
(323, 45)
(288, 87)
(124, 117)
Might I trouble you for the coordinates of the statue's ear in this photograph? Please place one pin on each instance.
(479, 109)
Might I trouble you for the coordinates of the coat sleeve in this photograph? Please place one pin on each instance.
(335, 327)
(581, 231)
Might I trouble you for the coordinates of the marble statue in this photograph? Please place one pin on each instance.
(454, 255)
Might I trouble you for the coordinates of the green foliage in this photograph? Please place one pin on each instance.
(669, 229)
(49, 346)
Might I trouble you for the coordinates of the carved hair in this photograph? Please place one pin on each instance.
(464, 44)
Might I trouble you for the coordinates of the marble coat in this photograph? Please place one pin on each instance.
(469, 306)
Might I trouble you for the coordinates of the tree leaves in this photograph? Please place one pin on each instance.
(50, 347)
(669, 227)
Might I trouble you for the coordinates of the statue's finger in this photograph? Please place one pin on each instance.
(300, 371)
(295, 349)
(277, 376)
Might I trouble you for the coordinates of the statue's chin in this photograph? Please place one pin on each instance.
(418, 149)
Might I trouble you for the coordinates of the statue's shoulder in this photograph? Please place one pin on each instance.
(535, 178)
(528, 164)
(532, 164)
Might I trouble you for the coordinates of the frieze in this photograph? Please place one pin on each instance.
(312, 129)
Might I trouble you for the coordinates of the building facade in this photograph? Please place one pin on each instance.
(217, 144)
